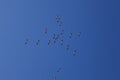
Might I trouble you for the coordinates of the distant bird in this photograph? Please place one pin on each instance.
(60, 23)
(55, 41)
(48, 42)
(57, 18)
(62, 32)
(74, 52)
(57, 37)
(59, 69)
(54, 36)
(55, 78)
(38, 41)
(26, 42)
(46, 30)
(79, 33)
(61, 42)
(67, 47)
(70, 35)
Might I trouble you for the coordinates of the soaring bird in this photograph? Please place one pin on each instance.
(60, 23)
(48, 42)
(70, 35)
(67, 47)
(26, 42)
(46, 30)
(59, 69)
(74, 52)
(62, 32)
(61, 42)
(79, 33)
(55, 78)
(38, 41)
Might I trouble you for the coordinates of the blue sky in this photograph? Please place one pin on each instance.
(98, 46)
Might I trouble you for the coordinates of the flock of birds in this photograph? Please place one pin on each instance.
(55, 39)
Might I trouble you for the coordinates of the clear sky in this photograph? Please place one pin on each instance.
(98, 47)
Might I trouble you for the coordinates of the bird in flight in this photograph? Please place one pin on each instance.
(38, 41)
(57, 18)
(48, 42)
(60, 23)
(67, 47)
(59, 69)
(55, 37)
(74, 52)
(61, 42)
(55, 78)
(70, 35)
(79, 33)
(46, 30)
(62, 32)
(26, 42)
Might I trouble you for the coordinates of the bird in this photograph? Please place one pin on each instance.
(26, 42)
(54, 36)
(46, 30)
(70, 35)
(61, 42)
(67, 47)
(55, 78)
(57, 18)
(74, 52)
(55, 41)
(62, 32)
(79, 33)
(48, 42)
(59, 69)
(60, 23)
(37, 42)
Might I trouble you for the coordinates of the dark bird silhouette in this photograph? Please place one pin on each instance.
(59, 69)
(61, 42)
(38, 41)
(67, 47)
(26, 42)
(46, 30)
(55, 78)
(54, 36)
(57, 18)
(70, 35)
(74, 52)
(62, 32)
(48, 42)
(60, 23)
(79, 33)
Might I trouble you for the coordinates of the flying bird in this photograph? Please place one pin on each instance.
(48, 42)
(70, 35)
(61, 42)
(60, 23)
(59, 69)
(46, 30)
(26, 42)
(79, 33)
(57, 18)
(74, 52)
(38, 41)
(67, 47)
(62, 32)
(55, 78)
(54, 36)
